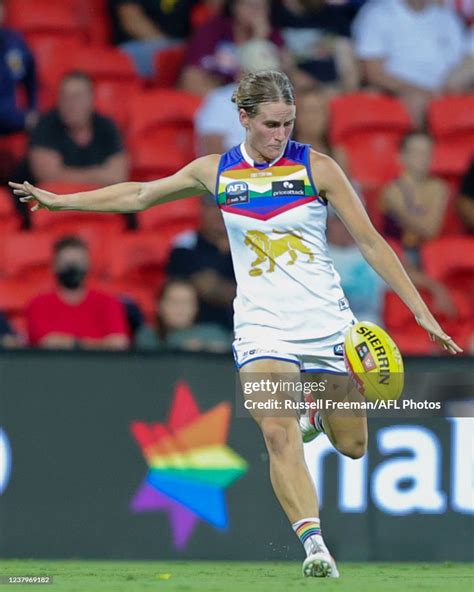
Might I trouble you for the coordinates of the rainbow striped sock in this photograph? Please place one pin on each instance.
(305, 530)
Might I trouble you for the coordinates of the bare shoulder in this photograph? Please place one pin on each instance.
(327, 173)
(204, 170)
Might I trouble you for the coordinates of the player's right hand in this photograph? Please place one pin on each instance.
(40, 198)
(436, 333)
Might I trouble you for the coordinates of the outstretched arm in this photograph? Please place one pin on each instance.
(196, 178)
(336, 188)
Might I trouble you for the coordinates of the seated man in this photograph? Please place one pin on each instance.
(17, 68)
(75, 144)
(408, 47)
(73, 315)
(204, 258)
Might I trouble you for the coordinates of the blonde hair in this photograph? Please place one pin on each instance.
(265, 86)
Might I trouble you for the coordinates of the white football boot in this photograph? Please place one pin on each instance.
(320, 563)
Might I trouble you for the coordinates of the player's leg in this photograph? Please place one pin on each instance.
(289, 474)
(346, 429)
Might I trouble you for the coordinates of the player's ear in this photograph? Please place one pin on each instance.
(244, 118)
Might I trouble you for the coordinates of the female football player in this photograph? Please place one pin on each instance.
(290, 314)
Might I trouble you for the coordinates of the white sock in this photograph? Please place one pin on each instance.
(308, 530)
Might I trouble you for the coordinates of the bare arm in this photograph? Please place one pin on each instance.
(47, 165)
(376, 74)
(196, 178)
(334, 186)
(135, 22)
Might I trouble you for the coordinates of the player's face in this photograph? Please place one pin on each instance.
(178, 307)
(269, 131)
(76, 102)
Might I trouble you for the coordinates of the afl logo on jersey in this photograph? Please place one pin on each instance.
(236, 192)
(280, 188)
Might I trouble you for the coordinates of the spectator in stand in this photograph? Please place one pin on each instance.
(312, 123)
(17, 68)
(212, 58)
(8, 338)
(73, 143)
(142, 28)
(414, 204)
(175, 326)
(408, 47)
(465, 199)
(216, 123)
(317, 36)
(204, 258)
(73, 315)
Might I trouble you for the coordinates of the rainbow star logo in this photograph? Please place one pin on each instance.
(190, 465)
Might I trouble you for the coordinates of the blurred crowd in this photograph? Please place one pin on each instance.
(95, 92)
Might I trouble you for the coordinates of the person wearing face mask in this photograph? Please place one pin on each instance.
(73, 315)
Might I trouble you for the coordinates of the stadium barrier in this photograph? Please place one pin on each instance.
(142, 456)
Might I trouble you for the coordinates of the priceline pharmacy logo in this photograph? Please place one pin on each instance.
(5, 460)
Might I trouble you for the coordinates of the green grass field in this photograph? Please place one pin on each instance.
(197, 576)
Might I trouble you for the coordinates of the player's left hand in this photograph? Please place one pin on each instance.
(430, 324)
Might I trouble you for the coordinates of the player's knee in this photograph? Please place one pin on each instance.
(277, 436)
(352, 447)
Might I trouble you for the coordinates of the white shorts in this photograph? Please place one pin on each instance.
(311, 355)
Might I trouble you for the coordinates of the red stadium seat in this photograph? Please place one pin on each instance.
(452, 117)
(112, 98)
(161, 133)
(450, 260)
(9, 219)
(138, 258)
(53, 57)
(43, 16)
(367, 113)
(94, 14)
(27, 255)
(173, 217)
(451, 158)
(161, 155)
(373, 158)
(369, 126)
(15, 294)
(152, 110)
(168, 63)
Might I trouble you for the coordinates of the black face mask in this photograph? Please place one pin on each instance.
(71, 277)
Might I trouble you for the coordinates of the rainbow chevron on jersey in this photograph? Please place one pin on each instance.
(264, 192)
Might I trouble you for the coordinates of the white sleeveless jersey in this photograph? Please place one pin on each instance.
(287, 287)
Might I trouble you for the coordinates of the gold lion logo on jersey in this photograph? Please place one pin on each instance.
(268, 249)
